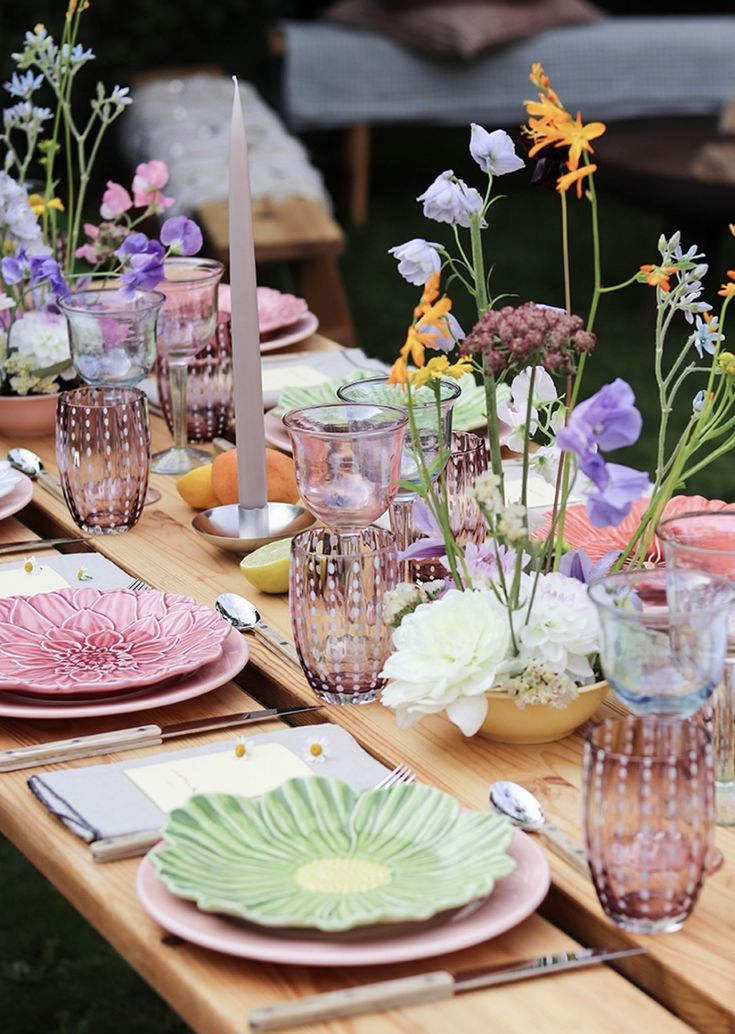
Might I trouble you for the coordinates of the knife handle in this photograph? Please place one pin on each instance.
(277, 643)
(428, 987)
(125, 845)
(79, 747)
(564, 847)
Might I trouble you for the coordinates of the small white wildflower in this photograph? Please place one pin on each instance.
(83, 575)
(487, 491)
(30, 565)
(244, 748)
(316, 750)
(397, 602)
(513, 523)
(538, 685)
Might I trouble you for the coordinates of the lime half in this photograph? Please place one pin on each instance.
(267, 567)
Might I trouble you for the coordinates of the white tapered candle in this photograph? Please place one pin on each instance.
(248, 389)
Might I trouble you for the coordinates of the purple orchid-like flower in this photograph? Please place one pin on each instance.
(577, 564)
(612, 502)
(181, 235)
(606, 420)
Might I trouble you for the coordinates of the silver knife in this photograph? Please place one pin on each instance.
(428, 987)
(131, 739)
(31, 544)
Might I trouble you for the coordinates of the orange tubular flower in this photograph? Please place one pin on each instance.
(727, 290)
(398, 372)
(564, 182)
(658, 276)
(578, 137)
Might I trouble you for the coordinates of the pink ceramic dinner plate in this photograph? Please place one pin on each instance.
(277, 310)
(231, 661)
(580, 533)
(275, 433)
(303, 328)
(20, 496)
(91, 641)
(512, 900)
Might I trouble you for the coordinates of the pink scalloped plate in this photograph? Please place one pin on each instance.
(581, 534)
(277, 310)
(19, 497)
(211, 676)
(102, 642)
(513, 899)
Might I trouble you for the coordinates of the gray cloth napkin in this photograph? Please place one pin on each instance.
(101, 801)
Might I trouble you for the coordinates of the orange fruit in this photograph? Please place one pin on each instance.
(279, 471)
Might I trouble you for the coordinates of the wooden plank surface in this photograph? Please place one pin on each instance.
(691, 971)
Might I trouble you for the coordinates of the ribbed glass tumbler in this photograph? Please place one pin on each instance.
(649, 804)
(103, 451)
(336, 600)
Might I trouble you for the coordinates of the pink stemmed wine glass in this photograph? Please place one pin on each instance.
(348, 461)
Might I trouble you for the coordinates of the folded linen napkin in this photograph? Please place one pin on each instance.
(98, 573)
(100, 801)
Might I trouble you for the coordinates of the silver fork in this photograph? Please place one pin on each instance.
(138, 585)
(400, 774)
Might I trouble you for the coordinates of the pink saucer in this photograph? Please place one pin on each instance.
(277, 310)
(512, 900)
(18, 498)
(303, 328)
(231, 661)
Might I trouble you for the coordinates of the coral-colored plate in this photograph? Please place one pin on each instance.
(580, 534)
(512, 900)
(89, 641)
(230, 662)
(16, 499)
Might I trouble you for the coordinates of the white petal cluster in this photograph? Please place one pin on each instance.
(563, 630)
(447, 655)
(41, 337)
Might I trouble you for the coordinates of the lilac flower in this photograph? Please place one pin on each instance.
(181, 236)
(698, 401)
(134, 244)
(23, 85)
(494, 152)
(15, 267)
(44, 268)
(612, 503)
(606, 420)
(417, 260)
(706, 335)
(577, 564)
(450, 200)
(143, 262)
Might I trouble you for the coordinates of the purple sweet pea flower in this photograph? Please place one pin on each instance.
(450, 200)
(15, 268)
(134, 244)
(607, 420)
(181, 236)
(612, 502)
(44, 268)
(577, 564)
(144, 266)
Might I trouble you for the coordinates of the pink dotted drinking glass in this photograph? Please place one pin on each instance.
(103, 451)
(336, 600)
(649, 809)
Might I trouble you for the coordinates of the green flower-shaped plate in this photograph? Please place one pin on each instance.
(315, 853)
(468, 412)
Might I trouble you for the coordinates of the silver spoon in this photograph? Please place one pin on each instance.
(245, 618)
(525, 811)
(28, 463)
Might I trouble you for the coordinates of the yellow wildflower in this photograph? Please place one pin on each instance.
(398, 372)
(40, 205)
(727, 291)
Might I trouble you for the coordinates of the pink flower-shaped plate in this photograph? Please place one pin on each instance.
(581, 534)
(86, 641)
(275, 309)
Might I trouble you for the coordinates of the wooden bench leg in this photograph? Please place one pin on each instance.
(357, 164)
(321, 285)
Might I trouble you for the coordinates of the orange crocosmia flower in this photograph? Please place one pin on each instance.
(727, 290)
(429, 294)
(578, 137)
(576, 176)
(658, 276)
(731, 274)
(398, 372)
(433, 316)
(537, 75)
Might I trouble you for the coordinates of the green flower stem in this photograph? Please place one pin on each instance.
(565, 253)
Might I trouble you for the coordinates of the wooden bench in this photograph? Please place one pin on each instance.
(301, 232)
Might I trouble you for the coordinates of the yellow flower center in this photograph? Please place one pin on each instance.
(316, 749)
(342, 876)
(240, 750)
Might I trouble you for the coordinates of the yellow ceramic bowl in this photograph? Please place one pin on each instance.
(538, 723)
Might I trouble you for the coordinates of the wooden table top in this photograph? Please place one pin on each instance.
(692, 972)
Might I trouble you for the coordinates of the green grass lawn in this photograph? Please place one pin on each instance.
(56, 975)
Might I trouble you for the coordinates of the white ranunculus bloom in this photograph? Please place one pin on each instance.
(41, 337)
(447, 655)
(563, 630)
(417, 260)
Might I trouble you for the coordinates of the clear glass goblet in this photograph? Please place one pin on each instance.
(186, 324)
(706, 540)
(348, 461)
(432, 419)
(112, 338)
(663, 635)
